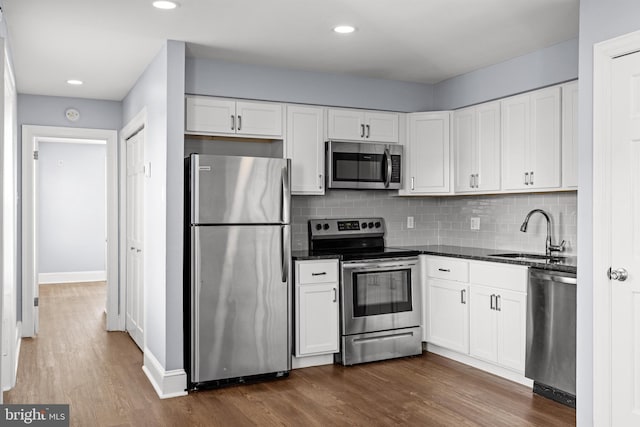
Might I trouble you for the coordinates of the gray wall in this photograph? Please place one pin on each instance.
(220, 78)
(160, 92)
(446, 220)
(71, 207)
(555, 64)
(49, 111)
(599, 21)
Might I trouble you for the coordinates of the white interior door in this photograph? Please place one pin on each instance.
(134, 226)
(625, 241)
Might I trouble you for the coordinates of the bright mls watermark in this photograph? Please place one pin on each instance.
(34, 415)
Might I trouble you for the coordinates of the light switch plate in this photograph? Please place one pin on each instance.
(475, 223)
(410, 222)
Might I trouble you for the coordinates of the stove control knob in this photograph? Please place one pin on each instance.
(370, 225)
(318, 226)
(364, 225)
(378, 224)
(325, 226)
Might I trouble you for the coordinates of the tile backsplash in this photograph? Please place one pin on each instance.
(446, 220)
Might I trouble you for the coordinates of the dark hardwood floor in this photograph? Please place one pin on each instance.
(73, 360)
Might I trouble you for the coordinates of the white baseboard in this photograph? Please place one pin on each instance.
(166, 383)
(480, 364)
(72, 277)
(308, 361)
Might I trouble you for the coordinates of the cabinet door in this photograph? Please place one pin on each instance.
(544, 145)
(464, 148)
(210, 115)
(381, 127)
(305, 147)
(570, 135)
(515, 141)
(317, 319)
(448, 315)
(428, 153)
(511, 329)
(345, 124)
(482, 321)
(487, 148)
(259, 118)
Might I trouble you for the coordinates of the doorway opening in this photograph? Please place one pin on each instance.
(60, 231)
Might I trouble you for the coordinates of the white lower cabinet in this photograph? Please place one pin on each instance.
(448, 315)
(498, 326)
(316, 307)
(478, 310)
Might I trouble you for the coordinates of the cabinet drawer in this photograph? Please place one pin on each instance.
(317, 271)
(448, 268)
(505, 276)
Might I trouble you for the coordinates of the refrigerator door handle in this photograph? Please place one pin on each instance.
(286, 193)
(285, 252)
(195, 304)
(195, 189)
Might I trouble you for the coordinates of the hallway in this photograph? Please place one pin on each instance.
(73, 360)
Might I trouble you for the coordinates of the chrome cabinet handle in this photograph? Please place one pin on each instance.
(463, 300)
(498, 308)
(368, 131)
(475, 180)
(492, 304)
(412, 182)
(619, 274)
(323, 273)
(233, 122)
(526, 178)
(361, 131)
(320, 181)
(239, 122)
(531, 178)
(471, 180)
(446, 270)
(335, 295)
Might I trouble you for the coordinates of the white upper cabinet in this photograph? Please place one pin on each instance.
(427, 154)
(359, 125)
(305, 148)
(531, 140)
(476, 145)
(216, 116)
(570, 135)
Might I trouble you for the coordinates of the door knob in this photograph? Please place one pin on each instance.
(619, 274)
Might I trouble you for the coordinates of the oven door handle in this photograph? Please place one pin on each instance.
(371, 266)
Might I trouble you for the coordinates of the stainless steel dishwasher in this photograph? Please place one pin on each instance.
(551, 334)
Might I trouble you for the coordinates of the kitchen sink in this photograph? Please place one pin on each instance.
(522, 256)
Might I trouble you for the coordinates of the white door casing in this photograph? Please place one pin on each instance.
(134, 322)
(31, 135)
(616, 204)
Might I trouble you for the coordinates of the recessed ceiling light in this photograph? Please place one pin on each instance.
(164, 4)
(344, 29)
(75, 82)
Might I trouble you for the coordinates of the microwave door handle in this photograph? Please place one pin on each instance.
(387, 160)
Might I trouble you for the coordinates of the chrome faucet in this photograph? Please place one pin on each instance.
(549, 247)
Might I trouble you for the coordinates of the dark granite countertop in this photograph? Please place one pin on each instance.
(568, 263)
(304, 254)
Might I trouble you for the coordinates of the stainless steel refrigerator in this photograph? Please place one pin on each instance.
(238, 283)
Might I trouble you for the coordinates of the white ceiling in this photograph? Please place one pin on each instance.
(108, 43)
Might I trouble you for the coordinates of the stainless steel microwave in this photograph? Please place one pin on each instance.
(364, 165)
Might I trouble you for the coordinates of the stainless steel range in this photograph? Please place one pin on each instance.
(380, 293)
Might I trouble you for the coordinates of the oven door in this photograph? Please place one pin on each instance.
(363, 165)
(380, 295)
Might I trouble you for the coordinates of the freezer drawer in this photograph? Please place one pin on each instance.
(240, 302)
